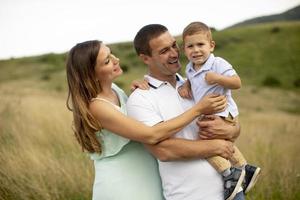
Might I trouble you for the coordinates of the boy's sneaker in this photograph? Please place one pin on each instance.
(252, 174)
(233, 182)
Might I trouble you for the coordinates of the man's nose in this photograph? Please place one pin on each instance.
(174, 51)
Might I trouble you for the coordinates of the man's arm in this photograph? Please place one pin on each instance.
(139, 106)
(182, 149)
(213, 127)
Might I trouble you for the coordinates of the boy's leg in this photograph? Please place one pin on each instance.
(233, 177)
(219, 163)
(237, 160)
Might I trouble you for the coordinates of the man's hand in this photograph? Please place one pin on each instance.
(213, 127)
(223, 148)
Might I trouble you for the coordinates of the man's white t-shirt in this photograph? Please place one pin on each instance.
(181, 180)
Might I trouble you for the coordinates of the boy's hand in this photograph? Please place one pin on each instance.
(185, 92)
(142, 84)
(211, 78)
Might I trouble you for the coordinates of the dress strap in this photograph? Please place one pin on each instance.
(105, 100)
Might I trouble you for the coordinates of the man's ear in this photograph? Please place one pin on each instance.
(144, 58)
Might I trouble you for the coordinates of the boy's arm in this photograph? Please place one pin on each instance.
(185, 90)
(230, 82)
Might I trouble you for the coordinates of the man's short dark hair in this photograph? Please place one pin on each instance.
(144, 35)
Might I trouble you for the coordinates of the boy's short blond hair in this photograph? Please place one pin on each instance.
(196, 27)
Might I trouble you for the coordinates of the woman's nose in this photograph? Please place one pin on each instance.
(114, 58)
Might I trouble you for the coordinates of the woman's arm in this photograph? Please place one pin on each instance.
(115, 121)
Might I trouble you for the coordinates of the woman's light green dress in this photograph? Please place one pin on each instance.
(124, 170)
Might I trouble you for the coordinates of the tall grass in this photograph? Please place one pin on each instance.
(270, 138)
(40, 158)
(38, 154)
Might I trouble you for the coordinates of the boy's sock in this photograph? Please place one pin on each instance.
(226, 172)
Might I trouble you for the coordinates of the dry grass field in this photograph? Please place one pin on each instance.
(40, 158)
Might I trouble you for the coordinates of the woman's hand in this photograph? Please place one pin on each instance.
(211, 104)
(141, 84)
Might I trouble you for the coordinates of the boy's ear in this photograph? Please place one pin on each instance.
(212, 46)
(144, 58)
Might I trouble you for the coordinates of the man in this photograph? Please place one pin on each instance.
(184, 172)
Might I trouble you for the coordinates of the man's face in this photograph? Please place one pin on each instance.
(164, 61)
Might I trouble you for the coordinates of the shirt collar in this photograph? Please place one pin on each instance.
(155, 83)
(206, 67)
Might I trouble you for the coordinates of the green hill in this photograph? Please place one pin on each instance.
(290, 15)
(263, 54)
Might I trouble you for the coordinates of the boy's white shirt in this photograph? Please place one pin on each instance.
(200, 88)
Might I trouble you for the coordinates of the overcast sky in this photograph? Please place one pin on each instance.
(32, 27)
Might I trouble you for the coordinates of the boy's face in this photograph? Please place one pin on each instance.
(197, 48)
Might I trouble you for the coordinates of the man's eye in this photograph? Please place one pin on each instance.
(164, 51)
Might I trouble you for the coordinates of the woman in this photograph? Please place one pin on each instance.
(124, 169)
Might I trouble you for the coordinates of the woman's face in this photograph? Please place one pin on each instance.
(107, 66)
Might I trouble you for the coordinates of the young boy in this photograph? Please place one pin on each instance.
(209, 74)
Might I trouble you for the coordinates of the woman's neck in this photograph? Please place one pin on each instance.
(109, 94)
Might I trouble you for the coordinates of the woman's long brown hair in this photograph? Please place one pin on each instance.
(83, 86)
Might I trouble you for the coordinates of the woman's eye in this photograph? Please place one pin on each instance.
(107, 61)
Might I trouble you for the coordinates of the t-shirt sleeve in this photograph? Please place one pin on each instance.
(224, 67)
(141, 108)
